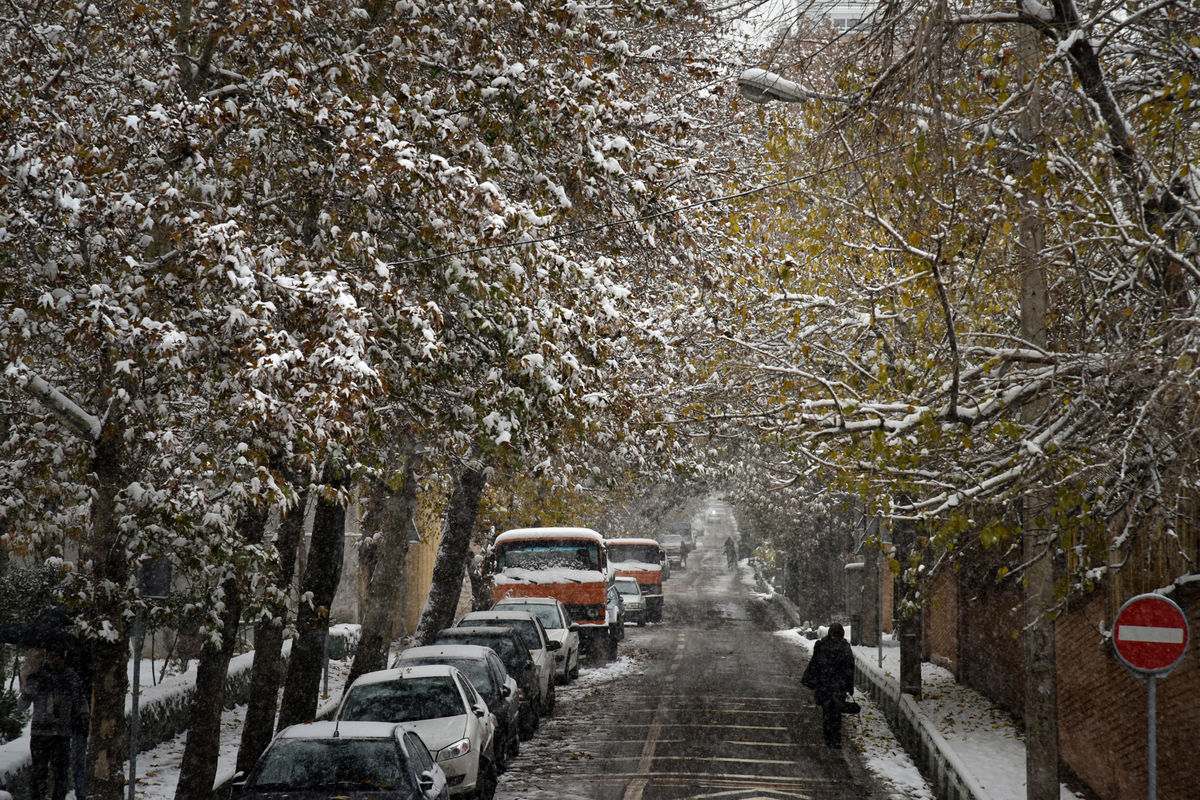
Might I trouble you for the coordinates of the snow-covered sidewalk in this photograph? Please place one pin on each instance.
(982, 737)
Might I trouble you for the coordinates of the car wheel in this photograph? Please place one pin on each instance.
(573, 672)
(500, 751)
(485, 781)
(612, 648)
(514, 745)
(548, 707)
(529, 723)
(642, 620)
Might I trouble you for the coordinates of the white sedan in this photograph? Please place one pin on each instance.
(443, 708)
(559, 627)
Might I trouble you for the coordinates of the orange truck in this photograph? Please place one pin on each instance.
(570, 564)
(642, 560)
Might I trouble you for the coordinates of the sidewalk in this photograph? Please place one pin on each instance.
(977, 744)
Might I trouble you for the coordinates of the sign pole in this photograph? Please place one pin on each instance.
(1152, 744)
(1150, 637)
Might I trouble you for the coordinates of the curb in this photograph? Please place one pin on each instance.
(945, 771)
(950, 777)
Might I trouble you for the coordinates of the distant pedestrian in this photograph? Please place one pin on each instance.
(731, 552)
(60, 709)
(830, 674)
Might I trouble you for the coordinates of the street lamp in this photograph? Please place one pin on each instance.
(761, 86)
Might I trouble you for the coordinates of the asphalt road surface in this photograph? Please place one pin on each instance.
(711, 708)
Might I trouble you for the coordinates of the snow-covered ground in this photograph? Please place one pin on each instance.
(981, 735)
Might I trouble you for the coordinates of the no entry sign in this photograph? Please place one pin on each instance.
(1150, 634)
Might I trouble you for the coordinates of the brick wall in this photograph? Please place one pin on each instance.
(1102, 710)
(940, 623)
(992, 654)
(1102, 706)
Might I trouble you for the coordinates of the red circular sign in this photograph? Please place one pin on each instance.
(1150, 634)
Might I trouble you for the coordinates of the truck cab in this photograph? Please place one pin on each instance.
(569, 564)
(643, 560)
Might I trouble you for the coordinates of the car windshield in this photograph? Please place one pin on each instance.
(318, 763)
(475, 670)
(548, 554)
(502, 645)
(625, 587)
(403, 700)
(548, 614)
(643, 553)
(527, 628)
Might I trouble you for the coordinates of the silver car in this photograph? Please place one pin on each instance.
(554, 618)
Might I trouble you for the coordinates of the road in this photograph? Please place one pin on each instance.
(703, 705)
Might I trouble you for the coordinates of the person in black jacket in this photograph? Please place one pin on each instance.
(60, 710)
(830, 674)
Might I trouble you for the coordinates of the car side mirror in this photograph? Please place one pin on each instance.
(553, 646)
(505, 691)
(479, 712)
(425, 781)
(576, 627)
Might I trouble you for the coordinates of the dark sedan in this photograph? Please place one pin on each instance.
(352, 760)
(511, 649)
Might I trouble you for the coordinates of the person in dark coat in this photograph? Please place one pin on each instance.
(830, 674)
(60, 710)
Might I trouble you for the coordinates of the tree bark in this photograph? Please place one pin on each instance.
(1041, 661)
(266, 671)
(108, 740)
(321, 576)
(198, 769)
(395, 512)
(453, 552)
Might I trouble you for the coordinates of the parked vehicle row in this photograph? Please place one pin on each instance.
(447, 717)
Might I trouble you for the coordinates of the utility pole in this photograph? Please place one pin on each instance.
(1038, 545)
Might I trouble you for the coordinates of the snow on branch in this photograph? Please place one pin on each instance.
(61, 405)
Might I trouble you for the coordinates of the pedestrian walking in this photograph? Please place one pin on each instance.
(60, 710)
(830, 674)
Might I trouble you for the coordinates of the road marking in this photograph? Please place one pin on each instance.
(696, 760)
(637, 787)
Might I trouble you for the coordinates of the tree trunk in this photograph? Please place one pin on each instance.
(198, 770)
(395, 512)
(321, 576)
(453, 552)
(266, 671)
(908, 612)
(108, 740)
(1041, 661)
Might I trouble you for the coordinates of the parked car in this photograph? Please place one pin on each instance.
(317, 760)
(442, 706)
(541, 648)
(631, 596)
(511, 649)
(616, 621)
(486, 672)
(554, 618)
